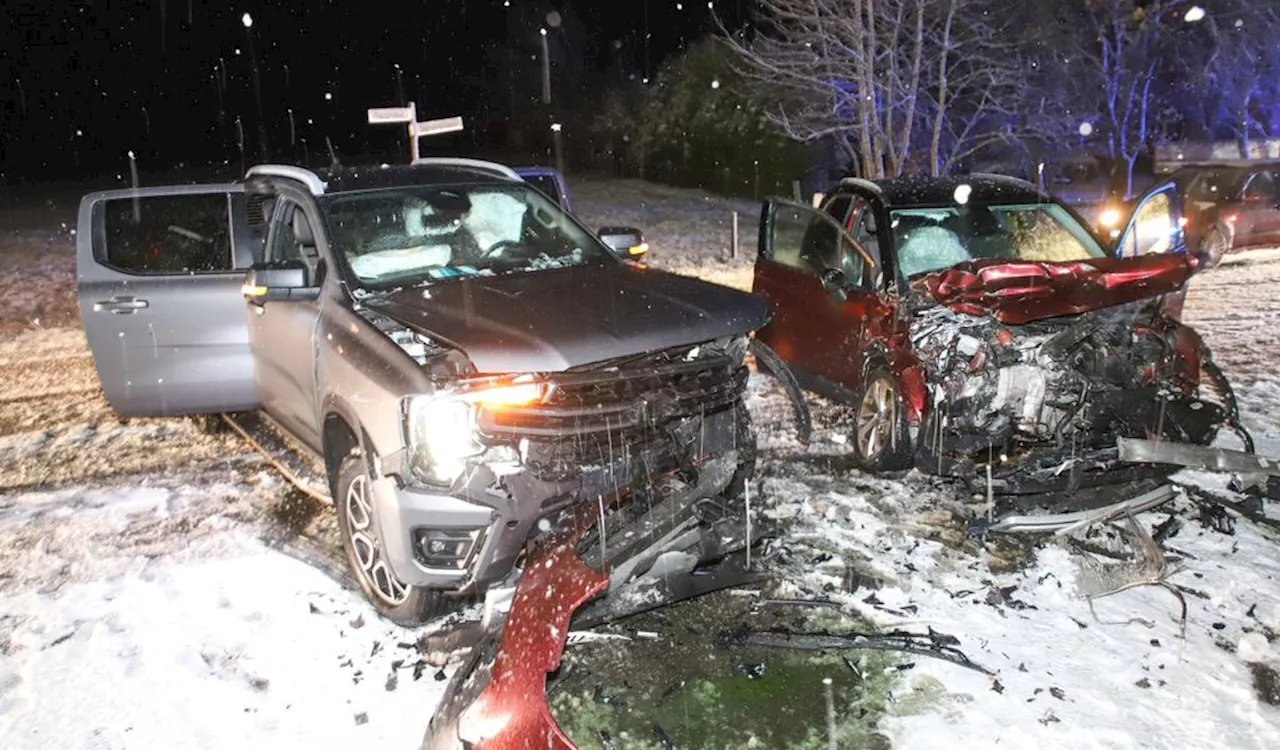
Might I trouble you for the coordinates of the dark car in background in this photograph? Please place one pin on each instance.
(549, 182)
(1230, 207)
(979, 329)
(466, 359)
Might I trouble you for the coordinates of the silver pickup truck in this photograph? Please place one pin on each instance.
(466, 357)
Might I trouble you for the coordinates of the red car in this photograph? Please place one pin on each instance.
(980, 330)
(1230, 207)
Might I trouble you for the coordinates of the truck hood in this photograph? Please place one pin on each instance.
(1018, 292)
(556, 320)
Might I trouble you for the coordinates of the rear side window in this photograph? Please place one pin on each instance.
(172, 234)
(1262, 188)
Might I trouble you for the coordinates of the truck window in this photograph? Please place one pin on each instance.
(167, 235)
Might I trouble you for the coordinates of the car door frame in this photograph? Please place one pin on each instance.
(1116, 248)
(166, 344)
(818, 370)
(284, 346)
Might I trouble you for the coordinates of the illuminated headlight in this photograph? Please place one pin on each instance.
(441, 429)
(442, 436)
(1109, 218)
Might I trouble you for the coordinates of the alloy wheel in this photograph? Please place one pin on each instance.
(877, 415)
(370, 562)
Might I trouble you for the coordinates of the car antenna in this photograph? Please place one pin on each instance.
(333, 154)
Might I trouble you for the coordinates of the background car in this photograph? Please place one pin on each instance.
(1230, 207)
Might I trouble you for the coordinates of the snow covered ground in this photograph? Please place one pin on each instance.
(160, 587)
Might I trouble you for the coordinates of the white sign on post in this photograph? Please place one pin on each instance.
(438, 127)
(409, 116)
(384, 115)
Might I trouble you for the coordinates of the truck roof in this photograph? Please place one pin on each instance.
(422, 172)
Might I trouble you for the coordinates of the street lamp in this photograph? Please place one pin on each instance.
(247, 20)
(546, 68)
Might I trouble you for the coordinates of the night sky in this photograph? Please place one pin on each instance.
(86, 81)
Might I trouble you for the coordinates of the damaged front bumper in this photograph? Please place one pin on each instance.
(502, 504)
(1037, 407)
(609, 431)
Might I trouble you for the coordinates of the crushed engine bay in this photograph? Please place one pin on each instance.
(1038, 407)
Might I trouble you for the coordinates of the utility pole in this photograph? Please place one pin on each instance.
(646, 41)
(546, 68)
(247, 20)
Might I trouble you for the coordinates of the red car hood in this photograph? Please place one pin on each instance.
(1017, 292)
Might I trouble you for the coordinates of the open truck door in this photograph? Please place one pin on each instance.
(159, 272)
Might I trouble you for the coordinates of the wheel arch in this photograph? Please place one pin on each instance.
(907, 372)
(340, 435)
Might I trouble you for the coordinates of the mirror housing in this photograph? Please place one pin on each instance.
(279, 281)
(835, 283)
(625, 242)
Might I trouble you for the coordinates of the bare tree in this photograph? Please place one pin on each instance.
(1233, 62)
(897, 84)
(1119, 50)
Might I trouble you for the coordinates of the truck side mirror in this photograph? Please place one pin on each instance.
(278, 281)
(625, 242)
(835, 283)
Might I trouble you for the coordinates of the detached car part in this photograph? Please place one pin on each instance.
(632, 561)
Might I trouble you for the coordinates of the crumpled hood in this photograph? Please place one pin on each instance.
(1017, 292)
(555, 320)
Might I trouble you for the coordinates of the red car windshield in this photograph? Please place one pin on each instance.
(931, 239)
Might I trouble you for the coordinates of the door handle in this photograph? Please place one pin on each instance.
(121, 305)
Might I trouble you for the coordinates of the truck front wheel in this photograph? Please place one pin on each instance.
(362, 541)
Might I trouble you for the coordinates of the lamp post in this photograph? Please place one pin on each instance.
(247, 20)
(546, 68)
(553, 20)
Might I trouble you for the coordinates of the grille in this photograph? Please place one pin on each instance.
(621, 401)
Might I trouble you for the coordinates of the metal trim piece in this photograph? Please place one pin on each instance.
(1195, 457)
(1066, 523)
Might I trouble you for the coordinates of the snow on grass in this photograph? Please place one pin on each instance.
(688, 230)
(1062, 679)
(153, 617)
(37, 274)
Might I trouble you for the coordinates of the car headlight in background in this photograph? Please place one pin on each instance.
(1109, 218)
(441, 429)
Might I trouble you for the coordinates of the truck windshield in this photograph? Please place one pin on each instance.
(429, 233)
(931, 239)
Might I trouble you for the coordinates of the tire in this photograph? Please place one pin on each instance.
(880, 438)
(1213, 246)
(358, 527)
(211, 424)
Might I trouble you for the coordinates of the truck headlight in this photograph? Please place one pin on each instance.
(441, 429)
(442, 436)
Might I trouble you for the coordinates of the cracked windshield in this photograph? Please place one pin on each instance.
(402, 236)
(777, 374)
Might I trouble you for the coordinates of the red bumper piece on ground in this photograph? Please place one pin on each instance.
(512, 712)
